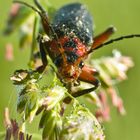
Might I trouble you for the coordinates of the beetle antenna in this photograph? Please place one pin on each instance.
(39, 6)
(51, 28)
(114, 40)
(28, 5)
(44, 16)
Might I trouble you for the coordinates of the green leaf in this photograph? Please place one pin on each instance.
(21, 103)
(32, 104)
(49, 127)
(44, 116)
(51, 122)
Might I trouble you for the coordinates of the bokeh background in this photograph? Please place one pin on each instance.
(125, 16)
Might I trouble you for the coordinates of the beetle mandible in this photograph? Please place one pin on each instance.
(70, 42)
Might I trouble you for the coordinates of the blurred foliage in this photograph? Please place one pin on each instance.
(31, 99)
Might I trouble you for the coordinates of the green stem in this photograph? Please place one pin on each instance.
(35, 31)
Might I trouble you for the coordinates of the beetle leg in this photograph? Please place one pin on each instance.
(88, 75)
(101, 38)
(42, 44)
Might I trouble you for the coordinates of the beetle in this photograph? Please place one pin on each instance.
(71, 40)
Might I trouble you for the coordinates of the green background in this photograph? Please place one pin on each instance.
(125, 16)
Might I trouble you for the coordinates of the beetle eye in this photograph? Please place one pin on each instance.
(81, 65)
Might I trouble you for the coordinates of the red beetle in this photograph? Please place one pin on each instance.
(70, 42)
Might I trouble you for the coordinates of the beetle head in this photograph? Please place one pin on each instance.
(70, 63)
(70, 69)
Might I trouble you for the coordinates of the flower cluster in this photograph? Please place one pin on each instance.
(112, 71)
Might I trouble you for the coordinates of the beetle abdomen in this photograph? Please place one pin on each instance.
(74, 20)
